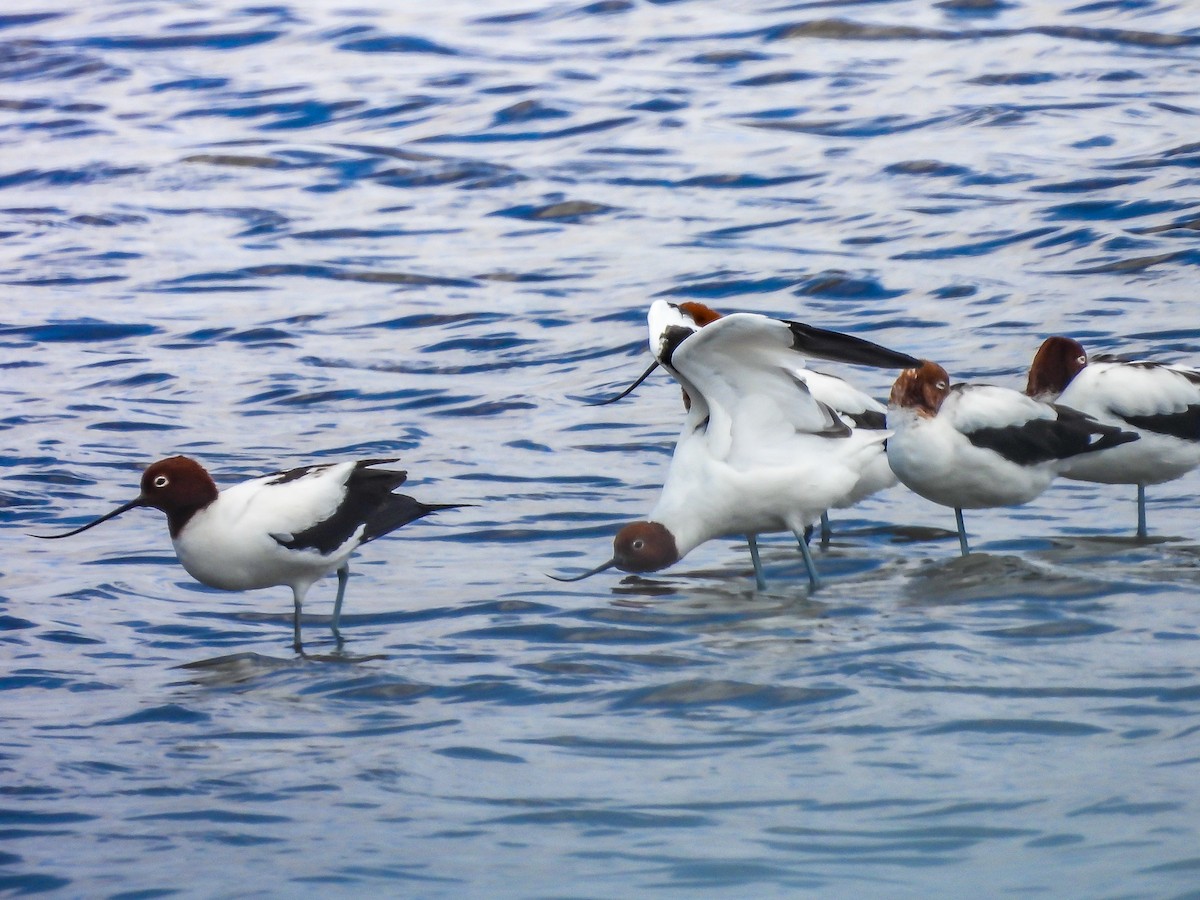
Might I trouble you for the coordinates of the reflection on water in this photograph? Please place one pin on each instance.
(267, 236)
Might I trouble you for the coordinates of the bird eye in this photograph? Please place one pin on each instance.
(941, 385)
(1082, 360)
(161, 481)
(638, 544)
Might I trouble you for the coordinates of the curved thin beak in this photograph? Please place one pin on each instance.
(587, 574)
(132, 504)
(629, 390)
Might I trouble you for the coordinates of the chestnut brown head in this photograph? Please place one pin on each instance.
(178, 486)
(1056, 363)
(644, 547)
(923, 389)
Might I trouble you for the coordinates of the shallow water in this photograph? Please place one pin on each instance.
(266, 236)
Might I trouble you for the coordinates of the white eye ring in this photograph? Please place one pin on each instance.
(1082, 360)
(941, 385)
(161, 481)
(638, 544)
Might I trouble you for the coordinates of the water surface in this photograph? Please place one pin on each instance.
(266, 236)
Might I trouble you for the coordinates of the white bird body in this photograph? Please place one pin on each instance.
(972, 446)
(230, 544)
(753, 472)
(1132, 395)
(777, 346)
(757, 453)
(288, 528)
(1158, 402)
(934, 457)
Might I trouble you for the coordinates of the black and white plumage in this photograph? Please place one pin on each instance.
(757, 452)
(972, 446)
(670, 324)
(1157, 401)
(287, 528)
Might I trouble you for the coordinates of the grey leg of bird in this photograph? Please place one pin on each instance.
(826, 531)
(343, 575)
(760, 581)
(962, 532)
(298, 602)
(1141, 510)
(814, 582)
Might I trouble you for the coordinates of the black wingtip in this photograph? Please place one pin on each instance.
(835, 346)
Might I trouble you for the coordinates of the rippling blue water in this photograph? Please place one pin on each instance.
(271, 235)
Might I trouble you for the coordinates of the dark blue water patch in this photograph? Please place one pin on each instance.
(500, 136)
(1136, 264)
(67, 637)
(146, 379)
(283, 115)
(170, 712)
(866, 127)
(660, 105)
(198, 83)
(1086, 185)
(727, 58)
(718, 286)
(927, 168)
(79, 331)
(14, 20)
(293, 270)
(1121, 806)
(1191, 864)
(232, 40)
(32, 883)
(1067, 628)
(396, 43)
(743, 180)
(955, 291)
(682, 695)
(349, 234)
(842, 29)
(1114, 210)
(491, 343)
(216, 816)
(66, 280)
(737, 230)
(439, 320)
(13, 623)
(249, 336)
(1184, 226)
(772, 78)
(976, 248)
(478, 754)
(128, 426)
(1020, 79)
(620, 820)
(33, 60)
(835, 285)
(528, 111)
(1074, 239)
(1043, 727)
(567, 211)
(606, 8)
(551, 633)
(28, 817)
(111, 220)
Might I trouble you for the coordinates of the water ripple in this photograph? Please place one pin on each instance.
(273, 236)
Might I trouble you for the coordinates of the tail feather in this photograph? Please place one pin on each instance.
(400, 509)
